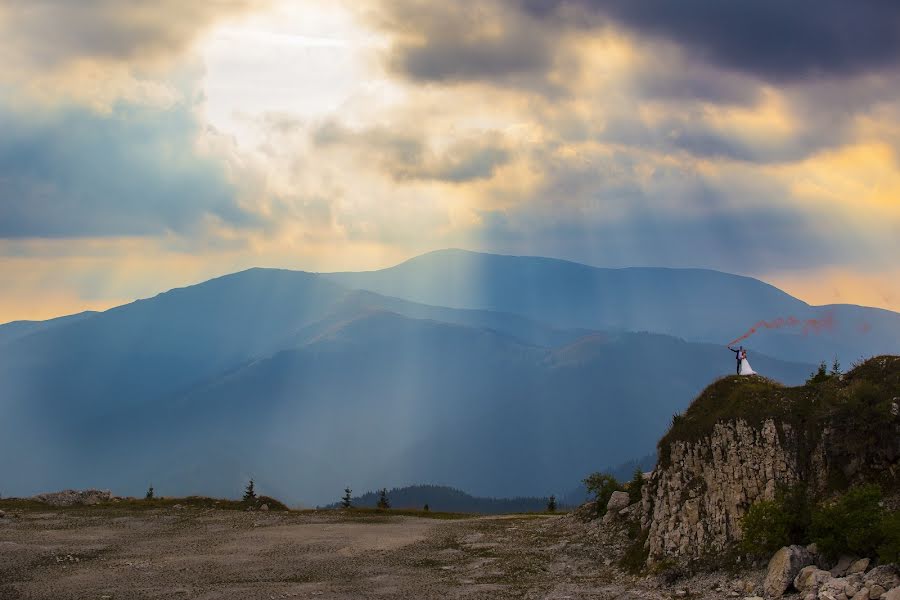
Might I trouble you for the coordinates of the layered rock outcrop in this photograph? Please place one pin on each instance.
(743, 438)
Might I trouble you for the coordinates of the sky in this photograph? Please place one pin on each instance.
(150, 145)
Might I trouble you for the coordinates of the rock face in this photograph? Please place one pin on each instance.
(695, 505)
(784, 567)
(75, 497)
(742, 439)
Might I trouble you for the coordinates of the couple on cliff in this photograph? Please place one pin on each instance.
(743, 365)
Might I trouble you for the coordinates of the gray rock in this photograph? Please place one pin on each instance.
(810, 578)
(617, 502)
(264, 508)
(75, 497)
(895, 409)
(859, 566)
(833, 589)
(862, 594)
(586, 511)
(784, 567)
(840, 569)
(876, 591)
(886, 577)
(2, 515)
(894, 594)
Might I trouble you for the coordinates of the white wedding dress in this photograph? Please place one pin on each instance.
(745, 367)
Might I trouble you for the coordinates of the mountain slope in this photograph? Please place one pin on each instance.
(694, 304)
(383, 399)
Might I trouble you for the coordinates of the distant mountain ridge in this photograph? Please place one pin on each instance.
(308, 384)
(448, 499)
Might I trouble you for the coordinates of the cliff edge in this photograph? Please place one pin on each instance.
(744, 437)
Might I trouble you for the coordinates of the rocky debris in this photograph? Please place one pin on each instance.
(810, 578)
(784, 567)
(617, 502)
(586, 511)
(859, 566)
(840, 569)
(2, 515)
(75, 497)
(264, 508)
(881, 579)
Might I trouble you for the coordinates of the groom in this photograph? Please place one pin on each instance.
(738, 354)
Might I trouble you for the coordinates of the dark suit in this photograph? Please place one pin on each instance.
(737, 356)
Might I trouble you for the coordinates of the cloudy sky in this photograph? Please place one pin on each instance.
(148, 145)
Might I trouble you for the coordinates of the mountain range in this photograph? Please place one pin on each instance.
(503, 376)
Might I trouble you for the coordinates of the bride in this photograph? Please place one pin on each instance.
(745, 365)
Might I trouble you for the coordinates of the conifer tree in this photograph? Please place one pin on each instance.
(383, 501)
(250, 492)
(551, 504)
(426, 508)
(149, 494)
(345, 501)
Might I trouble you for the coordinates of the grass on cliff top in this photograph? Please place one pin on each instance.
(862, 397)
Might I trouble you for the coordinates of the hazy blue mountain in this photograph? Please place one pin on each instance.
(694, 304)
(343, 392)
(309, 385)
(18, 329)
(448, 499)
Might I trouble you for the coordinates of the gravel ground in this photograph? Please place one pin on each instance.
(192, 553)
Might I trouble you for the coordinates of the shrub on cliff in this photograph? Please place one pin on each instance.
(889, 550)
(602, 486)
(771, 524)
(851, 524)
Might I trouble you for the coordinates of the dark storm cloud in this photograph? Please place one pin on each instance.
(776, 40)
(75, 173)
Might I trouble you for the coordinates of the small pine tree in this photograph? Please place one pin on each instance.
(426, 508)
(149, 494)
(551, 504)
(383, 501)
(635, 486)
(820, 375)
(250, 492)
(345, 501)
(836, 367)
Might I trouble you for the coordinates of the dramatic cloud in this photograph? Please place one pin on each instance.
(137, 171)
(775, 40)
(51, 33)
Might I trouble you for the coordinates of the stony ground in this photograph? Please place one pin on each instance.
(192, 553)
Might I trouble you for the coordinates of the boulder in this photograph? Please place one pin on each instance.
(882, 578)
(862, 594)
(617, 502)
(810, 578)
(784, 567)
(859, 566)
(894, 594)
(840, 569)
(2, 515)
(833, 589)
(264, 508)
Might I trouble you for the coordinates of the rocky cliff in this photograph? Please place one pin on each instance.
(743, 437)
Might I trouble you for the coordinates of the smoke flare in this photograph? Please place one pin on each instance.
(809, 325)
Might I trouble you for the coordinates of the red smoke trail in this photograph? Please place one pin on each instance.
(809, 325)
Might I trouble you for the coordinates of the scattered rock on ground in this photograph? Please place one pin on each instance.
(784, 566)
(882, 578)
(859, 566)
(75, 497)
(810, 578)
(840, 569)
(264, 507)
(586, 511)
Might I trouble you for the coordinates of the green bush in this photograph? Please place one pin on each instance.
(889, 550)
(771, 524)
(602, 486)
(851, 524)
(765, 528)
